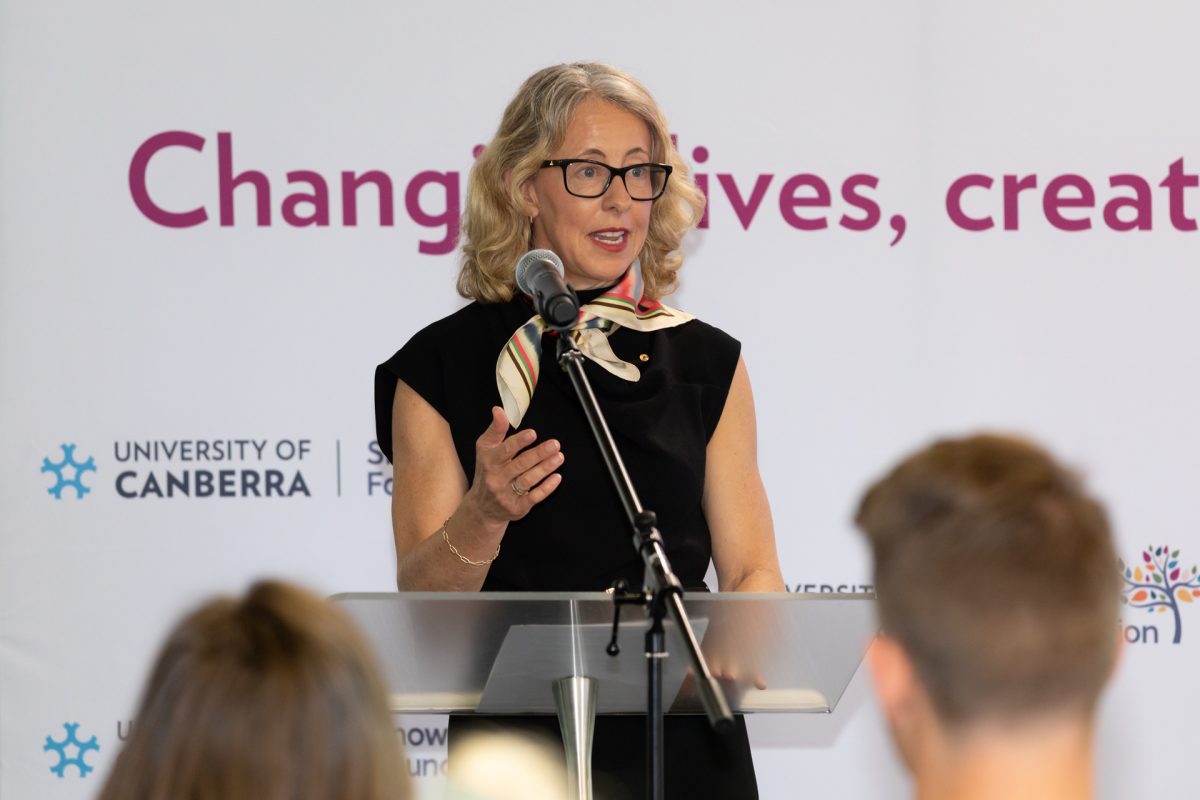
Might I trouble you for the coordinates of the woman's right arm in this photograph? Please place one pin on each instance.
(429, 487)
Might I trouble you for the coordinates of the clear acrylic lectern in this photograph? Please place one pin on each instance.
(545, 653)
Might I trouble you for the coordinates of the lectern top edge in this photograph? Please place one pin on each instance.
(725, 597)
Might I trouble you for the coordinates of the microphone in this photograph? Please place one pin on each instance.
(539, 274)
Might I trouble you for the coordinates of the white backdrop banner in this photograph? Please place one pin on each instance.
(215, 220)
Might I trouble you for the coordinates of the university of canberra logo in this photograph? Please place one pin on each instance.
(1159, 584)
(68, 473)
(169, 469)
(70, 751)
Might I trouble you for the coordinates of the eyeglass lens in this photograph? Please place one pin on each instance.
(643, 182)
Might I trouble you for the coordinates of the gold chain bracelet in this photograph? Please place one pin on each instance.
(461, 557)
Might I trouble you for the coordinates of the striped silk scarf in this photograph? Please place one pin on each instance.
(519, 364)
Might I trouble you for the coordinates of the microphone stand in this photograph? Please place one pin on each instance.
(664, 593)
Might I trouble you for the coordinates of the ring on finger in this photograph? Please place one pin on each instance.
(517, 490)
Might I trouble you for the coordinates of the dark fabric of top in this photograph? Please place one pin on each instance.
(578, 539)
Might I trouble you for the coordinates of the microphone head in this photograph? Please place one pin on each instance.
(529, 260)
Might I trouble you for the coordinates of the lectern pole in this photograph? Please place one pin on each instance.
(575, 698)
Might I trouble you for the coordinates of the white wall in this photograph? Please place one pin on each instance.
(116, 329)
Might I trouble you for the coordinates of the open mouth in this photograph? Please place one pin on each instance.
(612, 238)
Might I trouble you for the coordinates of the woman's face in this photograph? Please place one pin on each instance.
(596, 238)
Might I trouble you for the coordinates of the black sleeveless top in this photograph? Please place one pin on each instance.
(578, 539)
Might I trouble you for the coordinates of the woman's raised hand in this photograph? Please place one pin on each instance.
(511, 474)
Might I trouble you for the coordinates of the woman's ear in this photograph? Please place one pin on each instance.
(528, 193)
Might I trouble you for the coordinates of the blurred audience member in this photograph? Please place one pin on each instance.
(998, 599)
(274, 696)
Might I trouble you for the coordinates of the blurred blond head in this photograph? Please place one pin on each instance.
(273, 696)
(505, 766)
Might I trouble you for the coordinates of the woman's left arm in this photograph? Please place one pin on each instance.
(735, 502)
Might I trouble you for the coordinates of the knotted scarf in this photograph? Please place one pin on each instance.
(519, 364)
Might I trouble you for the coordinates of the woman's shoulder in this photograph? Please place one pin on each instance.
(699, 336)
(695, 352)
(448, 356)
(706, 332)
(470, 327)
(465, 321)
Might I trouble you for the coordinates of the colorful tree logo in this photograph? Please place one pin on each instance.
(1159, 583)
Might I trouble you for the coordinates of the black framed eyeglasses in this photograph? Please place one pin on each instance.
(583, 177)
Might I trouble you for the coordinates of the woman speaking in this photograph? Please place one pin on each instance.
(498, 482)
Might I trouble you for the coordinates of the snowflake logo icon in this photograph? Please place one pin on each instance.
(61, 481)
(81, 749)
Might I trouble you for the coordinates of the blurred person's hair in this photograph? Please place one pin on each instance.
(496, 231)
(995, 572)
(274, 696)
(506, 766)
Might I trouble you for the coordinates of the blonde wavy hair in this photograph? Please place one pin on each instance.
(495, 227)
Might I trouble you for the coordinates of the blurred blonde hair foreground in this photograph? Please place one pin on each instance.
(273, 696)
(506, 766)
